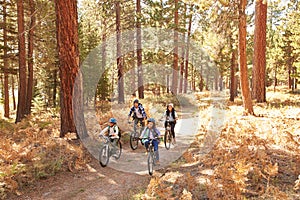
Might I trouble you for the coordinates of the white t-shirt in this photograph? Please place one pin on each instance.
(171, 119)
(137, 112)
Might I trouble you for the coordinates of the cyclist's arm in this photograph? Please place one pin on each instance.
(164, 115)
(176, 116)
(158, 132)
(104, 132)
(143, 134)
(130, 112)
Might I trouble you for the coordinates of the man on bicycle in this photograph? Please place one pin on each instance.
(139, 114)
(171, 115)
(151, 133)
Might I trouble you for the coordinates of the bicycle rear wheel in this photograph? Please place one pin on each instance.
(134, 140)
(119, 150)
(104, 156)
(150, 162)
(167, 139)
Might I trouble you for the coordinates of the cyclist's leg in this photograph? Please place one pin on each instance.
(142, 123)
(146, 143)
(166, 123)
(155, 145)
(172, 129)
(135, 124)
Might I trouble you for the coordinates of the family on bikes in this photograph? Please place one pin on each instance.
(148, 135)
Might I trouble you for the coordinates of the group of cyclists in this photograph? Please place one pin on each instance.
(150, 132)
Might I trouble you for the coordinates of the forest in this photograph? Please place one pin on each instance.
(230, 67)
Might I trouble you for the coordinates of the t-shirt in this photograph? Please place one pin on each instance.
(137, 112)
(171, 119)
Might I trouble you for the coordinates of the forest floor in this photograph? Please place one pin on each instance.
(246, 157)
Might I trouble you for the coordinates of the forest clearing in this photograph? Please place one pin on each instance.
(207, 90)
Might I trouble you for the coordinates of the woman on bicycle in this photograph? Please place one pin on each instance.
(112, 131)
(171, 115)
(151, 132)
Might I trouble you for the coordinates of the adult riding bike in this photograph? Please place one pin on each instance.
(109, 149)
(134, 136)
(151, 156)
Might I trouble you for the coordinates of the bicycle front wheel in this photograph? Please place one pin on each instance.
(104, 156)
(150, 162)
(119, 150)
(134, 140)
(167, 139)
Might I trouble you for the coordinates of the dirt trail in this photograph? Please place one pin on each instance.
(96, 184)
(121, 179)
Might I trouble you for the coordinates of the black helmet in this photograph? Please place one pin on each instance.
(135, 101)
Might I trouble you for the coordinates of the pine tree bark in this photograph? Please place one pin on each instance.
(247, 102)
(121, 98)
(22, 63)
(232, 76)
(68, 53)
(30, 58)
(259, 58)
(13, 92)
(54, 93)
(182, 66)
(5, 63)
(186, 73)
(139, 50)
(175, 54)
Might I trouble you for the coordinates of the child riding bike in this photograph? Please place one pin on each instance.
(171, 115)
(151, 133)
(139, 114)
(112, 131)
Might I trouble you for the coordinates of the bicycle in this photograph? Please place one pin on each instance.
(151, 156)
(108, 150)
(168, 136)
(134, 136)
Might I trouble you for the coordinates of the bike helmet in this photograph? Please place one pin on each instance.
(171, 104)
(112, 120)
(135, 101)
(151, 120)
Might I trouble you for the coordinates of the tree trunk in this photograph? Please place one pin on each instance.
(182, 65)
(175, 54)
(13, 92)
(247, 102)
(232, 76)
(22, 63)
(275, 77)
(30, 58)
(119, 54)
(5, 63)
(182, 54)
(67, 44)
(259, 58)
(168, 84)
(139, 50)
(187, 53)
(54, 88)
